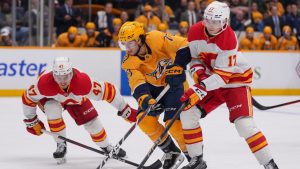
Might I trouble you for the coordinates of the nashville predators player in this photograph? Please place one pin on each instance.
(150, 64)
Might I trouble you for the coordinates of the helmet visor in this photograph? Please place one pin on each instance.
(63, 80)
(128, 46)
(213, 23)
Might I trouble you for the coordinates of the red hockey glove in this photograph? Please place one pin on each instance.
(198, 73)
(128, 114)
(193, 95)
(34, 126)
(145, 101)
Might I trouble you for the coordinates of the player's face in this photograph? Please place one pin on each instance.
(71, 36)
(90, 32)
(131, 47)
(213, 26)
(63, 80)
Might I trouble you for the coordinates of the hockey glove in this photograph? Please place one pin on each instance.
(198, 73)
(146, 101)
(193, 95)
(34, 126)
(128, 114)
(175, 76)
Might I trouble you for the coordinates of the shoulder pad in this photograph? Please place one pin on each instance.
(80, 84)
(131, 62)
(47, 86)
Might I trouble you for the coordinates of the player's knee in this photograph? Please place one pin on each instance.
(149, 124)
(190, 118)
(176, 129)
(246, 127)
(93, 126)
(53, 109)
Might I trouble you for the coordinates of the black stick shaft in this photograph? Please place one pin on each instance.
(262, 107)
(161, 136)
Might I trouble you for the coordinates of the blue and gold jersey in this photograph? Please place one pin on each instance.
(162, 48)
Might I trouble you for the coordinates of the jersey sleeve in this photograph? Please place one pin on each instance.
(30, 98)
(107, 92)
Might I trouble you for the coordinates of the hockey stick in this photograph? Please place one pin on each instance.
(117, 146)
(262, 107)
(161, 136)
(157, 163)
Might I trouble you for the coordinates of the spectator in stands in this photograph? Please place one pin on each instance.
(35, 15)
(67, 16)
(287, 41)
(190, 14)
(166, 14)
(149, 20)
(69, 39)
(249, 42)
(117, 23)
(267, 41)
(104, 38)
(237, 22)
(5, 37)
(179, 10)
(183, 29)
(6, 18)
(89, 38)
(257, 18)
(124, 16)
(200, 13)
(163, 27)
(287, 13)
(275, 22)
(294, 20)
(280, 8)
(104, 18)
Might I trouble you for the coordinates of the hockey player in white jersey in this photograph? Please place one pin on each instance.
(66, 88)
(221, 75)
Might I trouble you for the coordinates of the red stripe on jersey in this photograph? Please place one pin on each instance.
(27, 101)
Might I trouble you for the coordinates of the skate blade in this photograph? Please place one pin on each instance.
(179, 161)
(60, 161)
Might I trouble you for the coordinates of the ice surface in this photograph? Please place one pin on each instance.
(224, 149)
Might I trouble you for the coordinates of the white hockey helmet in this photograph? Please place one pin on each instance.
(217, 11)
(62, 66)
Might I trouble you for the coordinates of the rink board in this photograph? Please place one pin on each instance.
(275, 73)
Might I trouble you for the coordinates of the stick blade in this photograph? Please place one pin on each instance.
(156, 165)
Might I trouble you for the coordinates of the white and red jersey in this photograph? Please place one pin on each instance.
(220, 56)
(80, 88)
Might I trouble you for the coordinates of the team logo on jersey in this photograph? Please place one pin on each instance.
(160, 68)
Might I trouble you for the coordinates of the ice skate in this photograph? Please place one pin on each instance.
(120, 153)
(196, 163)
(271, 165)
(172, 160)
(60, 153)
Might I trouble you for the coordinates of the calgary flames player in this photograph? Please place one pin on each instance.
(221, 75)
(147, 64)
(67, 88)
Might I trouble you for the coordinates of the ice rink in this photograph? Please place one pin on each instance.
(224, 149)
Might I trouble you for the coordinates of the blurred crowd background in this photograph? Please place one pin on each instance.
(259, 24)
